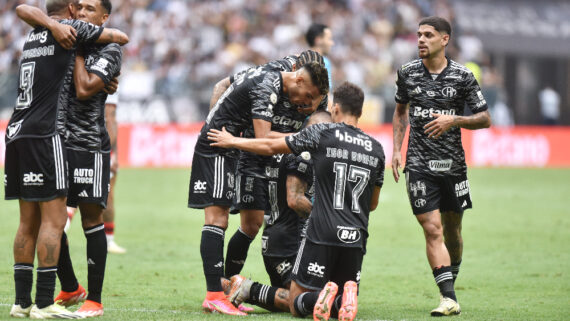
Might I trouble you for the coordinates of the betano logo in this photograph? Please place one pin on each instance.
(424, 113)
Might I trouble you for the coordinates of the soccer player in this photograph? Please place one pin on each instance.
(35, 171)
(109, 212)
(431, 94)
(290, 192)
(252, 99)
(320, 39)
(349, 171)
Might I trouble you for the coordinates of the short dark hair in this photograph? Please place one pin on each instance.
(107, 5)
(57, 6)
(309, 56)
(438, 23)
(319, 76)
(319, 116)
(350, 98)
(315, 30)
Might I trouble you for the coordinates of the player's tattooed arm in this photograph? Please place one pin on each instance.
(219, 89)
(65, 35)
(110, 35)
(400, 124)
(296, 198)
(443, 123)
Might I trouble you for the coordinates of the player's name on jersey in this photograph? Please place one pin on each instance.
(38, 52)
(342, 153)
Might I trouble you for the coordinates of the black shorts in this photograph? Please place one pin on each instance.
(279, 269)
(35, 169)
(317, 264)
(446, 193)
(251, 193)
(211, 181)
(89, 175)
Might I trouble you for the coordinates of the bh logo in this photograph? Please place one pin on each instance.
(200, 186)
(348, 235)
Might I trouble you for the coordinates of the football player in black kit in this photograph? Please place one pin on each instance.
(349, 172)
(251, 196)
(291, 188)
(431, 94)
(247, 107)
(35, 171)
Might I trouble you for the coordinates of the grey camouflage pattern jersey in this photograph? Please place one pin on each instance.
(251, 97)
(349, 164)
(448, 94)
(44, 75)
(85, 126)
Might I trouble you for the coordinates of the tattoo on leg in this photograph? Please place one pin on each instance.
(50, 255)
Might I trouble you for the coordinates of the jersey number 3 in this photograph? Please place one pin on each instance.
(26, 83)
(356, 174)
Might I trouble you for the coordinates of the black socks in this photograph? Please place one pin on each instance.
(24, 278)
(212, 252)
(96, 260)
(237, 253)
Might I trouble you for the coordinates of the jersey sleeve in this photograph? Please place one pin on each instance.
(380, 169)
(401, 93)
(300, 167)
(86, 32)
(305, 140)
(263, 97)
(473, 95)
(108, 63)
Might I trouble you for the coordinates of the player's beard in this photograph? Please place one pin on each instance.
(424, 54)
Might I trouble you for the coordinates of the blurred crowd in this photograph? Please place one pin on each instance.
(180, 48)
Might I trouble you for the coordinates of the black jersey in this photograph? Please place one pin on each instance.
(348, 165)
(250, 97)
(43, 68)
(85, 124)
(447, 94)
(283, 226)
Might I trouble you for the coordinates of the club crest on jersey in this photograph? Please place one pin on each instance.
(448, 92)
(13, 129)
(348, 234)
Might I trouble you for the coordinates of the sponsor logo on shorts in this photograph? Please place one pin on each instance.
(420, 202)
(200, 187)
(229, 195)
(5, 179)
(83, 176)
(357, 276)
(247, 199)
(14, 129)
(462, 188)
(283, 267)
(316, 270)
(440, 165)
(33, 179)
(264, 241)
(231, 180)
(249, 184)
(348, 234)
(418, 186)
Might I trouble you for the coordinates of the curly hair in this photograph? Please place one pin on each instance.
(350, 98)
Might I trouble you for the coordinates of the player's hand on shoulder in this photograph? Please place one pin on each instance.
(439, 125)
(112, 86)
(64, 34)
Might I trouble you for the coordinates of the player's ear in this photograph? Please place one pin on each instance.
(445, 39)
(72, 9)
(104, 18)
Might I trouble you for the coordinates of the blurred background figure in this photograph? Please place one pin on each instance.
(549, 105)
(320, 39)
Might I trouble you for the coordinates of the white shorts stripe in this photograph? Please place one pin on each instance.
(218, 177)
(98, 175)
(59, 163)
(299, 255)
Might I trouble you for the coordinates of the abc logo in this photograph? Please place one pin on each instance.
(33, 178)
(316, 268)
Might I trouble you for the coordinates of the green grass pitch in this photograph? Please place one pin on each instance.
(516, 263)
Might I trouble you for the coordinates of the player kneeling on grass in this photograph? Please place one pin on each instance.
(291, 189)
(349, 170)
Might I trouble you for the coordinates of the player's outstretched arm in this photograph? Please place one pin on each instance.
(219, 88)
(65, 35)
(86, 84)
(262, 129)
(110, 35)
(296, 198)
(261, 146)
(443, 123)
(400, 123)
